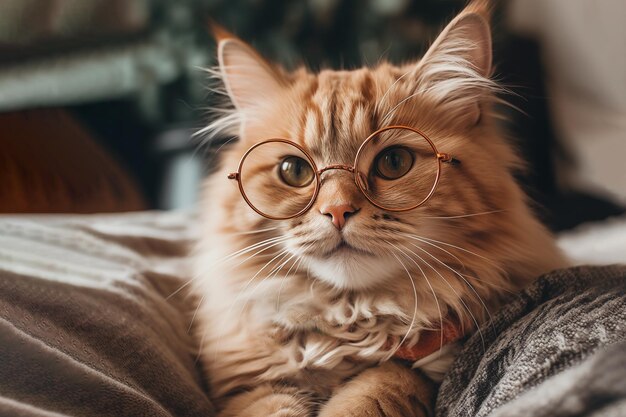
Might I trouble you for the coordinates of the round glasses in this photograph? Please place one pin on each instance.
(397, 168)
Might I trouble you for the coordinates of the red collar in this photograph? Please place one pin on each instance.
(430, 341)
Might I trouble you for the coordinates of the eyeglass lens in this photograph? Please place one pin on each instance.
(396, 169)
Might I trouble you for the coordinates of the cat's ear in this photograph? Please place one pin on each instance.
(249, 79)
(457, 66)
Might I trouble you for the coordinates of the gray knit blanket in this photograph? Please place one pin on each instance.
(558, 349)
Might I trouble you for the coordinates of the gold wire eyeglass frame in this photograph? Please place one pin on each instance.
(358, 180)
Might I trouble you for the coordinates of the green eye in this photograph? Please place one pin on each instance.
(393, 163)
(296, 172)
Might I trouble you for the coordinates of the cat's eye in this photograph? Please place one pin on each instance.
(393, 163)
(389, 153)
(296, 172)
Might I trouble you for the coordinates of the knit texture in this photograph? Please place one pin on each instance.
(557, 349)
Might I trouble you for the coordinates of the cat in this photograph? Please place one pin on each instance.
(327, 311)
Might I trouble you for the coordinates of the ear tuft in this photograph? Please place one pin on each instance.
(481, 7)
(250, 81)
(468, 38)
(456, 69)
(218, 31)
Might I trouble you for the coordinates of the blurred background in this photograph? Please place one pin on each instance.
(99, 98)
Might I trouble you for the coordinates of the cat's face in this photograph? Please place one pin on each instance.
(344, 239)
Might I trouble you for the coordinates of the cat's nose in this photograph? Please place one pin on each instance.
(338, 213)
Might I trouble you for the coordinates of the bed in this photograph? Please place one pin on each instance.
(95, 320)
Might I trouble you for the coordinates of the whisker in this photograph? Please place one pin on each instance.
(258, 252)
(466, 281)
(462, 216)
(272, 242)
(415, 237)
(247, 249)
(264, 245)
(272, 274)
(280, 255)
(240, 293)
(466, 251)
(251, 248)
(195, 312)
(457, 295)
(414, 306)
(253, 232)
(296, 265)
(499, 287)
(432, 290)
(393, 109)
(382, 99)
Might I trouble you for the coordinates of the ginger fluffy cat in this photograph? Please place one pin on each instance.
(306, 316)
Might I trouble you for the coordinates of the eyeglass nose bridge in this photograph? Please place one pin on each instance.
(359, 179)
(348, 168)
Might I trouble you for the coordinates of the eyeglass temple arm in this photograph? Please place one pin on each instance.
(233, 176)
(446, 157)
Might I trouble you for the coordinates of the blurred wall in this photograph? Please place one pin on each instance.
(583, 46)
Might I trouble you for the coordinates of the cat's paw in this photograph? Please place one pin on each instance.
(388, 406)
(389, 390)
(277, 405)
(267, 401)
